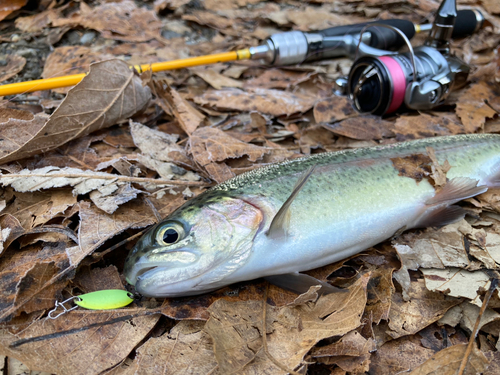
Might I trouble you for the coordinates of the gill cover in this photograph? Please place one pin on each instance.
(195, 248)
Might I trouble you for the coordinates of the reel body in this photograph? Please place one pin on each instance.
(420, 80)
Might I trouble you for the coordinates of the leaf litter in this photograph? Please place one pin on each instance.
(81, 175)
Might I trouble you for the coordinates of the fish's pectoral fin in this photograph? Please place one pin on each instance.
(300, 283)
(455, 190)
(281, 221)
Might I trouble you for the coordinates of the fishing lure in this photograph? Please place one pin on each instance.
(101, 300)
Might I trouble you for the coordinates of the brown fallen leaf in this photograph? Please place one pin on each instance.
(472, 108)
(291, 331)
(7, 7)
(38, 22)
(333, 109)
(456, 282)
(434, 248)
(426, 125)
(186, 349)
(67, 60)
(352, 344)
(37, 208)
(90, 280)
(211, 145)
(400, 355)
(447, 362)
(159, 145)
(110, 93)
(122, 21)
(189, 118)
(422, 309)
(362, 128)
(278, 79)
(14, 65)
(268, 101)
(85, 351)
(217, 80)
(22, 276)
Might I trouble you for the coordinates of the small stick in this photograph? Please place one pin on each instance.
(142, 180)
(473, 335)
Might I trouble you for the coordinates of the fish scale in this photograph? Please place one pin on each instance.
(351, 200)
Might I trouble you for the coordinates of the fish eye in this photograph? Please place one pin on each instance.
(170, 234)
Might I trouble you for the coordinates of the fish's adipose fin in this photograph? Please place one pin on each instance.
(300, 283)
(455, 190)
(280, 223)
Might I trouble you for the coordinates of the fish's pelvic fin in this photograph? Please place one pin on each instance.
(300, 283)
(455, 190)
(281, 221)
(440, 216)
(440, 210)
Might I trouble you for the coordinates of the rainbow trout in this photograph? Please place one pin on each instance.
(305, 213)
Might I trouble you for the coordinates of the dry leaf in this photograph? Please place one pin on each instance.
(399, 356)
(189, 118)
(37, 22)
(22, 278)
(7, 7)
(362, 128)
(71, 60)
(186, 349)
(333, 109)
(14, 65)
(456, 282)
(210, 146)
(472, 108)
(110, 93)
(447, 362)
(123, 21)
(425, 125)
(435, 248)
(217, 80)
(105, 345)
(291, 331)
(268, 101)
(278, 79)
(422, 309)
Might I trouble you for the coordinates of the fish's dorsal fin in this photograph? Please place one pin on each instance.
(281, 221)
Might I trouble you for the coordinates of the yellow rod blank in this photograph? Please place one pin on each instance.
(64, 81)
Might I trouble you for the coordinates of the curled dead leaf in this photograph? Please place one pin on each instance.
(110, 93)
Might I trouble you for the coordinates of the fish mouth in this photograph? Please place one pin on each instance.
(149, 265)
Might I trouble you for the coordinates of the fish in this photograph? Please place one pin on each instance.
(285, 218)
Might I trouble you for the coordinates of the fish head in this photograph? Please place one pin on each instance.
(195, 248)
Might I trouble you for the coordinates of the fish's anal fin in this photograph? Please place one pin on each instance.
(455, 190)
(281, 221)
(300, 283)
(440, 216)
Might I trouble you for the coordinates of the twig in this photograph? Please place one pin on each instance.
(264, 337)
(54, 335)
(142, 180)
(107, 251)
(472, 338)
(54, 228)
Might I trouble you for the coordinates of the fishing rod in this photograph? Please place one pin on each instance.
(293, 47)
